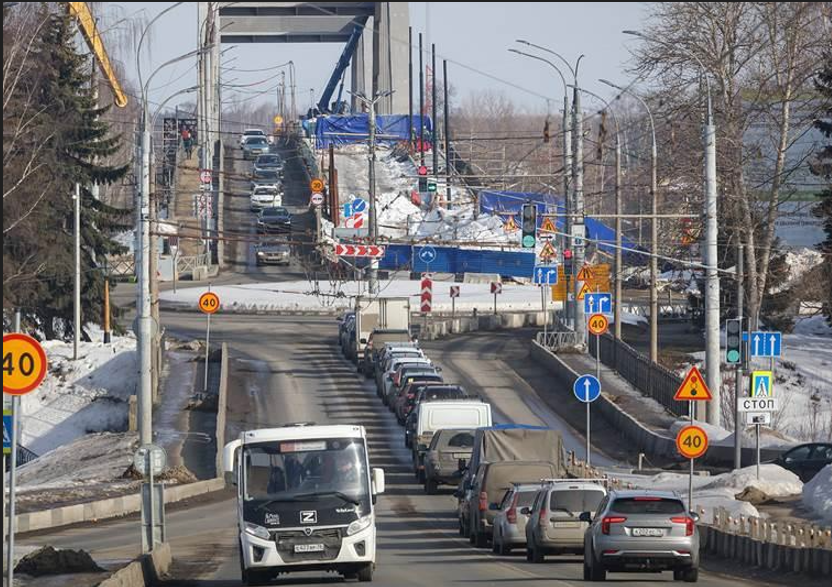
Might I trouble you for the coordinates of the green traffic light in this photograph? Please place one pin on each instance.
(733, 356)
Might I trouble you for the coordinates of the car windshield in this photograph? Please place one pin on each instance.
(292, 470)
(647, 505)
(575, 500)
(265, 190)
(268, 160)
(255, 141)
(254, 132)
(275, 212)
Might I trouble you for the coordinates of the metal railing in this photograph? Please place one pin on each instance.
(121, 266)
(563, 340)
(651, 379)
(187, 264)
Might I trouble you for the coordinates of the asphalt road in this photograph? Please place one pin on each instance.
(289, 369)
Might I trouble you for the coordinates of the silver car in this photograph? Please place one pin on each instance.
(554, 526)
(637, 531)
(510, 521)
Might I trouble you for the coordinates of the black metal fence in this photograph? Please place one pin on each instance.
(651, 379)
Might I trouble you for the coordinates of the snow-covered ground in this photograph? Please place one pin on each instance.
(710, 492)
(817, 494)
(83, 396)
(300, 295)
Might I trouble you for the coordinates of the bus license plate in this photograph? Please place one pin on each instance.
(648, 532)
(300, 548)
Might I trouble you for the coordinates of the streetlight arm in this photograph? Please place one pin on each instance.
(168, 63)
(141, 41)
(606, 104)
(538, 58)
(572, 70)
(640, 99)
(165, 101)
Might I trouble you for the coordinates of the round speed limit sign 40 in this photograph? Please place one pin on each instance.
(24, 364)
(209, 302)
(598, 324)
(692, 442)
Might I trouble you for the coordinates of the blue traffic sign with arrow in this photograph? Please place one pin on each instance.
(427, 255)
(587, 388)
(7, 432)
(765, 344)
(545, 275)
(597, 303)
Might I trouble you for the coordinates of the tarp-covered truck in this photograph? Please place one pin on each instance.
(378, 313)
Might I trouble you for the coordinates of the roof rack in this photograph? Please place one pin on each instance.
(600, 481)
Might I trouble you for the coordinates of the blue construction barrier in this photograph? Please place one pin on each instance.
(458, 260)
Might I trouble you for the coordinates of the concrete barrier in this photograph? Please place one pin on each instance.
(145, 571)
(108, 508)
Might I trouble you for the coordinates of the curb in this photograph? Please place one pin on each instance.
(108, 508)
(148, 569)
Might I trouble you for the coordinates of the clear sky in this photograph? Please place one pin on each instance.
(474, 37)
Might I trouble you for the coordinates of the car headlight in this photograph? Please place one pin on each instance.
(261, 254)
(257, 531)
(359, 525)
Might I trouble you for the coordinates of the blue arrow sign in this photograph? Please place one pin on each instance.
(359, 205)
(766, 344)
(7, 432)
(545, 275)
(598, 303)
(587, 388)
(427, 255)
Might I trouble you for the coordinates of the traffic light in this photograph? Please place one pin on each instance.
(546, 134)
(529, 225)
(567, 262)
(733, 341)
(423, 179)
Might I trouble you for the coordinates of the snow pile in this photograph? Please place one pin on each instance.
(801, 261)
(302, 295)
(78, 397)
(718, 436)
(817, 494)
(812, 326)
(720, 490)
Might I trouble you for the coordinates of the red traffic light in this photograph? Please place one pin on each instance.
(423, 170)
(567, 254)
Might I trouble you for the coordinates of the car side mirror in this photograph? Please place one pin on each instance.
(461, 465)
(695, 517)
(525, 511)
(378, 483)
(363, 341)
(230, 479)
(585, 517)
(494, 507)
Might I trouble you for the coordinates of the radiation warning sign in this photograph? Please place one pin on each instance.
(693, 388)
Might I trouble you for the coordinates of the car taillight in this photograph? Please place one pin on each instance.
(511, 513)
(609, 520)
(541, 516)
(483, 501)
(688, 522)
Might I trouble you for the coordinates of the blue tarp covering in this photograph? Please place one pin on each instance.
(344, 130)
(510, 204)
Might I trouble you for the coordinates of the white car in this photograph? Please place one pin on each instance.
(252, 132)
(266, 197)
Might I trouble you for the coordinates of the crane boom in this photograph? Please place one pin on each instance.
(86, 23)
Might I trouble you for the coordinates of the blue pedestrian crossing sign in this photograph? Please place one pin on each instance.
(598, 303)
(587, 388)
(762, 384)
(765, 344)
(7, 432)
(545, 275)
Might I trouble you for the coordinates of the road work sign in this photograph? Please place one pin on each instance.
(693, 388)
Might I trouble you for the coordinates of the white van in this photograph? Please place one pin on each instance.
(433, 416)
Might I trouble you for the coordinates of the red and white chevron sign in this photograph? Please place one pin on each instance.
(427, 294)
(373, 251)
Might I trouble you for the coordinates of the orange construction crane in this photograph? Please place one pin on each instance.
(86, 23)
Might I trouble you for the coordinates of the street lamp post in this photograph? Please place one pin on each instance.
(372, 285)
(654, 226)
(712, 355)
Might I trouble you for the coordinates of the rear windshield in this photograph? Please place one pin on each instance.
(500, 478)
(458, 440)
(575, 500)
(443, 393)
(526, 498)
(647, 505)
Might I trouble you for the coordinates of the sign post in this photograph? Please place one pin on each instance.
(150, 460)
(426, 298)
(598, 324)
(209, 303)
(496, 289)
(762, 387)
(454, 296)
(691, 439)
(587, 388)
(24, 367)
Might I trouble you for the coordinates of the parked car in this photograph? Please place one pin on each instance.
(806, 460)
(488, 488)
(388, 359)
(254, 146)
(401, 373)
(274, 253)
(428, 393)
(342, 326)
(265, 197)
(554, 526)
(512, 517)
(639, 531)
(251, 132)
(448, 448)
(387, 379)
(277, 219)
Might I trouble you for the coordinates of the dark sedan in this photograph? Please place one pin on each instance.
(274, 220)
(806, 460)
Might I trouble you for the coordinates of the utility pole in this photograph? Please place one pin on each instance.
(410, 89)
(421, 104)
(435, 135)
(567, 192)
(446, 134)
(143, 302)
(373, 278)
(578, 187)
(712, 356)
(738, 383)
(76, 298)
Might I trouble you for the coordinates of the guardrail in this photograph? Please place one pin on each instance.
(559, 340)
(187, 264)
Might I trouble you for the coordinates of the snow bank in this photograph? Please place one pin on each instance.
(813, 326)
(817, 494)
(78, 397)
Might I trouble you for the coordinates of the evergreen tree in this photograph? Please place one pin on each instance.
(74, 143)
(823, 168)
